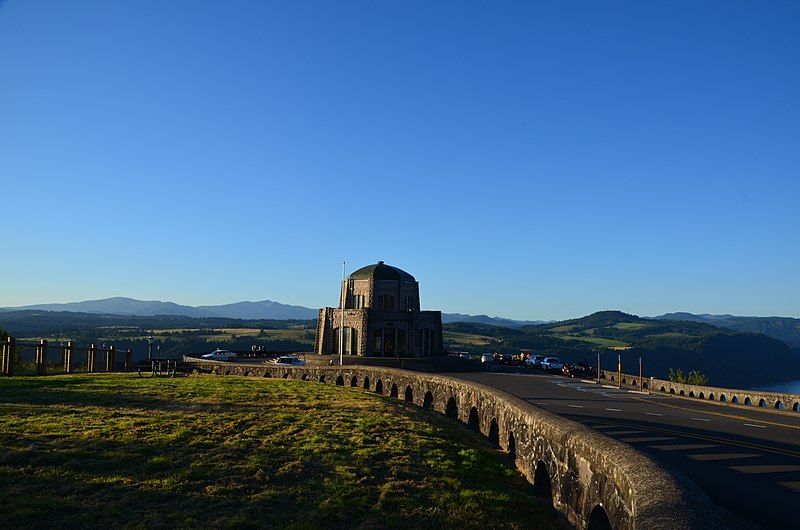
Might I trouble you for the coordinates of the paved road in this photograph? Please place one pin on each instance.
(748, 462)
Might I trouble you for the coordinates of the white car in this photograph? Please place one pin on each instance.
(289, 360)
(552, 364)
(219, 355)
(535, 361)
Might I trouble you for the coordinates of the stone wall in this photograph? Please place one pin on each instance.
(590, 478)
(727, 396)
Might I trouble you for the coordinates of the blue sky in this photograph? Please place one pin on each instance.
(536, 160)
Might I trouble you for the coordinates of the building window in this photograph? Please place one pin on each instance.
(401, 342)
(385, 302)
(425, 341)
(350, 346)
(358, 301)
(377, 341)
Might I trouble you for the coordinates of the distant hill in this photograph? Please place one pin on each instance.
(785, 329)
(265, 309)
(448, 318)
(728, 357)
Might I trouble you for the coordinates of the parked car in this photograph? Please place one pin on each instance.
(487, 358)
(289, 360)
(219, 355)
(535, 361)
(465, 356)
(580, 369)
(552, 364)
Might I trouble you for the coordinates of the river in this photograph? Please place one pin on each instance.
(789, 387)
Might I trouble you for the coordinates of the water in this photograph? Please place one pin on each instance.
(790, 387)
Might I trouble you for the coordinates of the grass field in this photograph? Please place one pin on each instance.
(122, 451)
(595, 341)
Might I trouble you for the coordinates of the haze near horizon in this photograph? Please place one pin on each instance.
(525, 161)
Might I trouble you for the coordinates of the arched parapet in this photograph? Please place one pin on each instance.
(584, 468)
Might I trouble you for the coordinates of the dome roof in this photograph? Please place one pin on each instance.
(381, 271)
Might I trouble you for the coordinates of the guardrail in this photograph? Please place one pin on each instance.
(597, 482)
(729, 396)
(67, 358)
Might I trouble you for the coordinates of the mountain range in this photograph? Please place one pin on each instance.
(265, 309)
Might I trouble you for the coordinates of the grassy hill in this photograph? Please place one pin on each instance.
(210, 452)
(728, 357)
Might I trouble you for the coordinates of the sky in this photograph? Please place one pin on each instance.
(533, 160)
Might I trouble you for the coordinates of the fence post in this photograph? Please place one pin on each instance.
(41, 358)
(110, 359)
(90, 358)
(10, 356)
(3, 354)
(9, 364)
(68, 357)
(128, 360)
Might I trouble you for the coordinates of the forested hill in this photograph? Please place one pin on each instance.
(728, 357)
(785, 329)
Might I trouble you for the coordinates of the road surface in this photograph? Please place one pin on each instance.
(748, 462)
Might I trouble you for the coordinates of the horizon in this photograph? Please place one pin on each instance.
(502, 317)
(528, 161)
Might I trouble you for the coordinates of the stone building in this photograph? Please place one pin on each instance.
(381, 317)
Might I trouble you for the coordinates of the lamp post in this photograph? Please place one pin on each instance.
(641, 377)
(341, 319)
(598, 366)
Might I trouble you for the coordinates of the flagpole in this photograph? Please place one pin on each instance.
(341, 321)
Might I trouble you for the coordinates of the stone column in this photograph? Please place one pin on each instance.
(128, 360)
(68, 350)
(41, 358)
(90, 355)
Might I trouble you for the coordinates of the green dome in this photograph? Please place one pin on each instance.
(381, 271)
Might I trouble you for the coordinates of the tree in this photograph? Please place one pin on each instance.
(694, 377)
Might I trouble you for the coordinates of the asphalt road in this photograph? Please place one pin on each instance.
(748, 462)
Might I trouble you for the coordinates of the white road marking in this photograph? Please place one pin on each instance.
(701, 419)
(576, 406)
(754, 425)
(615, 410)
(653, 414)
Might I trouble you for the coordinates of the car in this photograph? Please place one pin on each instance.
(579, 369)
(535, 361)
(289, 360)
(465, 356)
(219, 355)
(552, 364)
(487, 358)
